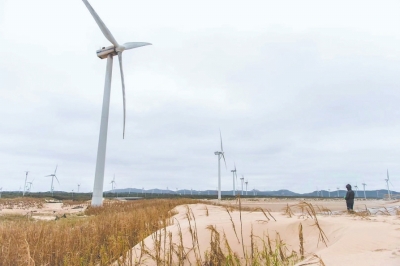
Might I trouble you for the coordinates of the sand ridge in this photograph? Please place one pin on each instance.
(352, 240)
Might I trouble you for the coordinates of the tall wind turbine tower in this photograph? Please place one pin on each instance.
(220, 155)
(387, 183)
(52, 179)
(338, 192)
(26, 177)
(79, 187)
(247, 182)
(365, 196)
(233, 178)
(329, 191)
(242, 179)
(107, 52)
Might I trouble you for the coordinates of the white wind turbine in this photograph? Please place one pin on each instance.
(247, 182)
(26, 177)
(220, 154)
(107, 52)
(52, 179)
(30, 186)
(234, 175)
(365, 196)
(387, 183)
(356, 187)
(79, 185)
(338, 192)
(242, 179)
(113, 184)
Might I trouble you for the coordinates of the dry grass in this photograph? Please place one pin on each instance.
(263, 250)
(107, 234)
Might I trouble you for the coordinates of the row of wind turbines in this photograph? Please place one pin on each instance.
(221, 154)
(387, 180)
(28, 184)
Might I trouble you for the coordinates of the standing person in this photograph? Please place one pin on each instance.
(349, 198)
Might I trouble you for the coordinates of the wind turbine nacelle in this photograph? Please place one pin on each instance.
(105, 51)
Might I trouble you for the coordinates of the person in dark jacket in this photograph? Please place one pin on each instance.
(349, 198)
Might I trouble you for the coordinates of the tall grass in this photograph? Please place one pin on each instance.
(104, 236)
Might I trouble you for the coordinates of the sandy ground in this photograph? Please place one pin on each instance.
(49, 211)
(351, 240)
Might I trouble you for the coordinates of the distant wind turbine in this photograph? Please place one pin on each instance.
(387, 183)
(242, 179)
(247, 182)
(30, 186)
(338, 191)
(78, 187)
(107, 52)
(113, 184)
(52, 179)
(329, 191)
(365, 196)
(26, 177)
(220, 154)
(234, 175)
(356, 187)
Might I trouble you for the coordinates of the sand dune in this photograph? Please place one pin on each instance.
(351, 240)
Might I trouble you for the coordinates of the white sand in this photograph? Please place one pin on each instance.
(353, 240)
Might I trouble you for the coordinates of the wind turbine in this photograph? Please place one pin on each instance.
(220, 154)
(246, 185)
(52, 179)
(387, 183)
(78, 187)
(107, 52)
(234, 175)
(338, 192)
(26, 177)
(365, 196)
(329, 191)
(242, 179)
(30, 186)
(113, 184)
(356, 187)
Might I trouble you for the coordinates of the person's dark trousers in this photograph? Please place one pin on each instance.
(350, 204)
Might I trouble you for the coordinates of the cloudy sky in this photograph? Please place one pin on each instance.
(306, 94)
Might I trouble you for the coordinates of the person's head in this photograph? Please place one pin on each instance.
(348, 186)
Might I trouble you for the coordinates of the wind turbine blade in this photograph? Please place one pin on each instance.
(132, 45)
(56, 169)
(387, 173)
(47, 175)
(123, 90)
(57, 179)
(101, 24)
(220, 136)
(223, 156)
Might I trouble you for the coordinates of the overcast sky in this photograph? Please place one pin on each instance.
(305, 93)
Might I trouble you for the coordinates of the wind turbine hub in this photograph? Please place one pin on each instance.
(105, 51)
